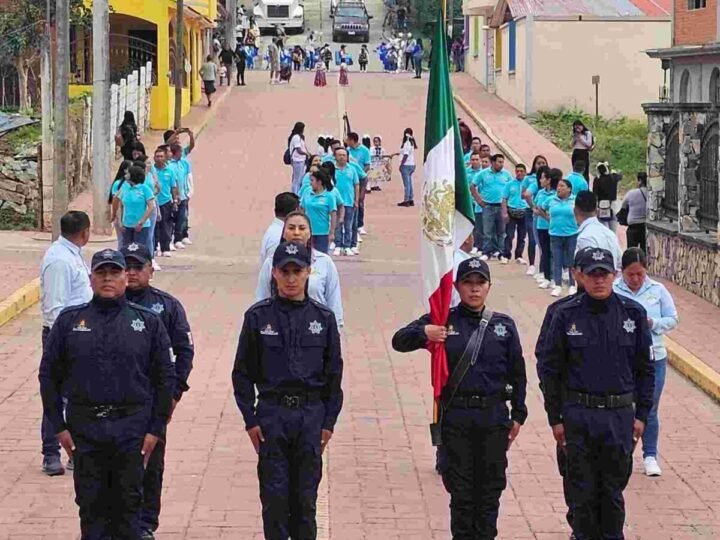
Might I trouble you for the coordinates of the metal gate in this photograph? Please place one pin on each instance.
(672, 166)
(708, 211)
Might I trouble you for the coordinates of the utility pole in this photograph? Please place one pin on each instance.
(101, 116)
(62, 78)
(46, 99)
(230, 25)
(179, 62)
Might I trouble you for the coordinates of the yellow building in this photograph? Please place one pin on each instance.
(142, 31)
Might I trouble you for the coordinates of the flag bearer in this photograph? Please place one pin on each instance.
(477, 427)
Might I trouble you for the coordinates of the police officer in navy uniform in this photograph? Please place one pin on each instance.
(578, 276)
(477, 428)
(140, 271)
(289, 350)
(111, 360)
(598, 378)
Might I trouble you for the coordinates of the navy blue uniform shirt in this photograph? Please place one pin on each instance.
(172, 314)
(107, 352)
(598, 347)
(542, 341)
(500, 361)
(288, 347)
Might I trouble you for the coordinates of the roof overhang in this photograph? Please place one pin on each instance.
(685, 51)
(483, 11)
(194, 15)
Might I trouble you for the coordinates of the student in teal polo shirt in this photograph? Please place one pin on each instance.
(360, 155)
(489, 195)
(560, 210)
(136, 205)
(473, 176)
(181, 166)
(577, 180)
(531, 179)
(167, 198)
(514, 208)
(347, 182)
(321, 208)
(474, 149)
(542, 225)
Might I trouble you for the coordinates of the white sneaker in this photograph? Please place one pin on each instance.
(520, 261)
(179, 245)
(337, 252)
(156, 266)
(332, 246)
(360, 238)
(651, 466)
(349, 252)
(355, 250)
(166, 254)
(565, 274)
(172, 247)
(503, 260)
(530, 270)
(362, 230)
(572, 290)
(539, 277)
(474, 251)
(187, 242)
(556, 292)
(544, 284)
(484, 257)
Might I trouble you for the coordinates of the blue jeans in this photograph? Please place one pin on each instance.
(493, 230)
(652, 429)
(563, 253)
(298, 172)
(152, 242)
(181, 221)
(406, 172)
(478, 231)
(130, 235)
(321, 242)
(530, 228)
(344, 228)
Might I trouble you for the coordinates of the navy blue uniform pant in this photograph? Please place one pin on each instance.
(599, 463)
(152, 488)
(108, 474)
(289, 469)
(474, 463)
(562, 467)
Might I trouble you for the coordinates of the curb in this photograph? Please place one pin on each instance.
(25, 297)
(685, 362)
(29, 294)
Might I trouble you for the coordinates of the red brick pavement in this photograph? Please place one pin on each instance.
(380, 477)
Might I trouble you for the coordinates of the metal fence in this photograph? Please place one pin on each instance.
(127, 54)
(708, 203)
(672, 167)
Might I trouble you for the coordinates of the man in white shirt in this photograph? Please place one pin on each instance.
(64, 282)
(592, 233)
(284, 204)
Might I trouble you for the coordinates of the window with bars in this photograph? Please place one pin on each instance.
(696, 4)
(708, 204)
(672, 165)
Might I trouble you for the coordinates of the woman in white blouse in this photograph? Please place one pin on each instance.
(324, 283)
(582, 144)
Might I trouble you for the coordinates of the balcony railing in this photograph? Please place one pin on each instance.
(127, 54)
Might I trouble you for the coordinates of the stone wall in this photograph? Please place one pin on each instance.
(692, 264)
(658, 130)
(19, 186)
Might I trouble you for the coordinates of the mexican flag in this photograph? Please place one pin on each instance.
(447, 212)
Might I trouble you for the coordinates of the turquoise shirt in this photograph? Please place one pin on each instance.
(473, 177)
(338, 198)
(529, 180)
(115, 186)
(578, 183)
(304, 186)
(181, 168)
(318, 207)
(360, 155)
(346, 180)
(358, 169)
(167, 180)
(513, 195)
(134, 200)
(542, 224)
(562, 215)
(492, 185)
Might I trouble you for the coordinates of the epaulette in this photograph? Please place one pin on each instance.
(162, 293)
(322, 307)
(138, 307)
(73, 308)
(261, 303)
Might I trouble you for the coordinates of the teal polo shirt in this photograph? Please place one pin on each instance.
(473, 177)
(167, 180)
(513, 195)
(346, 179)
(181, 168)
(528, 181)
(542, 224)
(562, 215)
(134, 199)
(492, 185)
(360, 155)
(578, 183)
(318, 208)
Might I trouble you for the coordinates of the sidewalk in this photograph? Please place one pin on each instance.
(696, 314)
(21, 251)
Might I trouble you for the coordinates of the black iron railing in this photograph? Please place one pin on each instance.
(127, 54)
(708, 203)
(672, 167)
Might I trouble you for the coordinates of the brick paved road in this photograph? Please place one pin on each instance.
(381, 481)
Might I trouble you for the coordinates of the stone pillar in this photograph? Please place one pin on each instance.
(692, 127)
(659, 124)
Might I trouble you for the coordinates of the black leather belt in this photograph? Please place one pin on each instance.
(493, 204)
(477, 402)
(599, 402)
(105, 411)
(292, 401)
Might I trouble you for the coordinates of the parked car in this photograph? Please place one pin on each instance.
(351, 20)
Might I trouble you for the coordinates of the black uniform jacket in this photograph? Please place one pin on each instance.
(499, 363)
(288, 347)
(107, 352)
(600, 348)
(172, 314)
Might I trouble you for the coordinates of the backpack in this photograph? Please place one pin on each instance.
(286, 157)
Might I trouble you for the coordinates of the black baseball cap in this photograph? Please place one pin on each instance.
(139, 252)
(107, 256)
(292, 252)
(472, 266)
(597, 259)
(578, 259)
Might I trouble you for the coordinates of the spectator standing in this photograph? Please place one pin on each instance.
(417, 57)
(662, 317)
(227, 57)
(64, 282)
(605, 189)
(240, 61)
(582, 143)
(274, 59)
(298, 155)
(126, 135)
(407, 166)
(208, 74)
(635, 205)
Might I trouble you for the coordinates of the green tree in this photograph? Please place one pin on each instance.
(21, 32)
